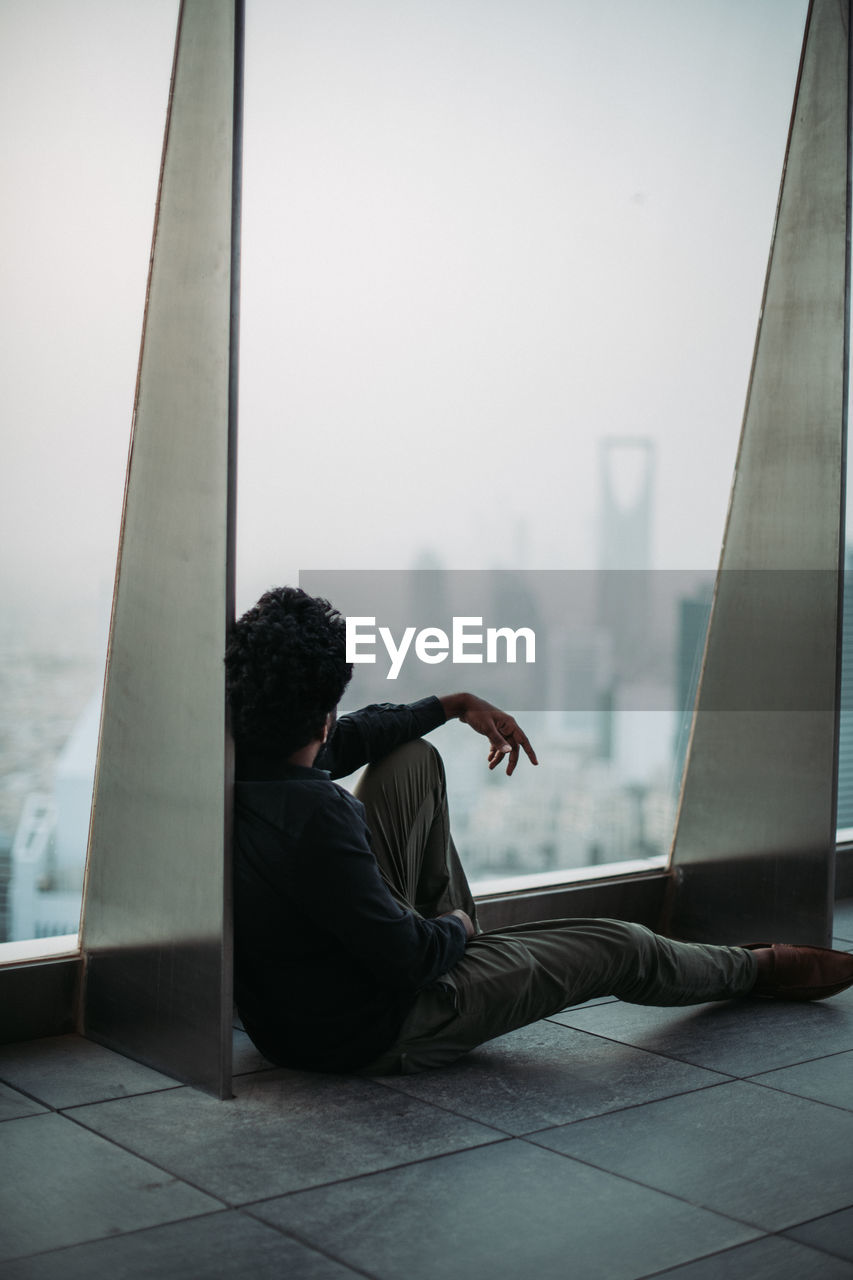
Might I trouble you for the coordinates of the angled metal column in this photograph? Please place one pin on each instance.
(156, 935)
(754, 847)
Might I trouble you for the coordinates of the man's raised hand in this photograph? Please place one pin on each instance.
(506, 737)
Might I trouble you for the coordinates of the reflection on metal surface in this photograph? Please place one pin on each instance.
(156, 923)
(754, 841)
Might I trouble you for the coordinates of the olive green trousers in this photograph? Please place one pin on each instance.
(517, 975)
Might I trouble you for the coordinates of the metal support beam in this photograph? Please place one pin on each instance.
(754, 844)
(156, 935)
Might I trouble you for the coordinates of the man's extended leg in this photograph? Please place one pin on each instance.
(405, 798)
(511, 977)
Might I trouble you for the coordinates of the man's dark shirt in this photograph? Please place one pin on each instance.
(327, 964)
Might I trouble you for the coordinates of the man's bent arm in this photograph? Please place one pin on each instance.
(362, 737)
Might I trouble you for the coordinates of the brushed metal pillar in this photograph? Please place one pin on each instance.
(753, 853)
(156, 933)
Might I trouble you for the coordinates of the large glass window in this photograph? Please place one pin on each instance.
(84, 90)
(501, 278)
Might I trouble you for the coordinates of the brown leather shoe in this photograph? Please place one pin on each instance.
(791, 972)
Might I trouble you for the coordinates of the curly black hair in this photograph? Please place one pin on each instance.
(286, 669)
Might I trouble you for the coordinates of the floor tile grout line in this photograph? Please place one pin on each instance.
(33, 1115)
(704, 1257)
(807, 1222)
(92, 1102)
(146, 1159)
(789, 1093)
(27, 1115)
(156, 1226)
(650, 1102)
(439, 1106)
(290, 1234)
(781, 1234)
(694, 1204)
(595, 1115)
(501, 1136)
(631, 1106)
(606, 1002)
(640, 1048)
(801, 1062)
(372, 1173)
(808, 1244)
(672, 1057)
(25, 1094)
(836, 1053)
(659, 1053)
(383, 1082)
(122, 1097)
(242, 1204)
(115, 1235)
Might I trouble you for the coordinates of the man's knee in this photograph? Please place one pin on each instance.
(417, 761)
(417, 756)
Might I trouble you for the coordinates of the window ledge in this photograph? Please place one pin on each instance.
(576, 876)
(32, 949)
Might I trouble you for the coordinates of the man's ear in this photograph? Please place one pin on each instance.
(327, 727)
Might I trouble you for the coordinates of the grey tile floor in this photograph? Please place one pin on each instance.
(713, 1143)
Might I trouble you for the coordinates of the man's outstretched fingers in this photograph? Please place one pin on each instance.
(506, 737)
(519, 740)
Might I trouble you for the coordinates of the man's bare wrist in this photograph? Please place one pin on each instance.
(454, 704)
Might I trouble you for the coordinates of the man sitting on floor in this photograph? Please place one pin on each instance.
(356, 937)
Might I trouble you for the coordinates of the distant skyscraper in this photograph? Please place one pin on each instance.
(514, 604)
(429, 604)
(694, 613)
(627, 466)
(626, 501)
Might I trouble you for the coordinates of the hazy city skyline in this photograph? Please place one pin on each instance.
(477, 238)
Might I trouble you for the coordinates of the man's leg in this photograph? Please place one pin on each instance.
(405, 798)
(511, 977)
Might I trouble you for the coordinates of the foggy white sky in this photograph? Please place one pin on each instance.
(478, 236)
